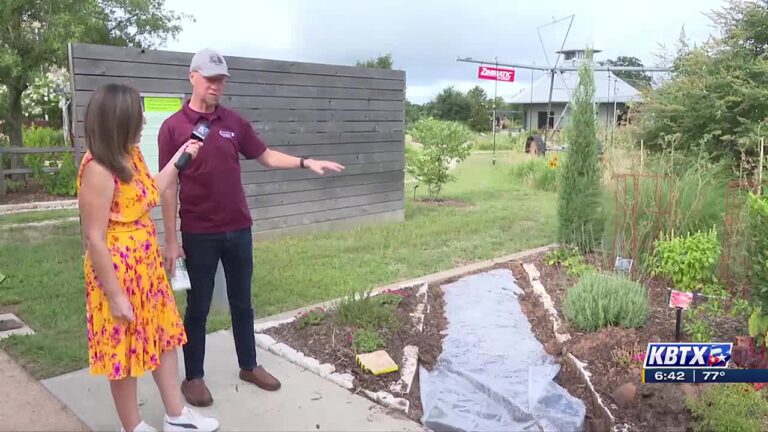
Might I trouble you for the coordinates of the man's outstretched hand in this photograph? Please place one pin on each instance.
(319, 166)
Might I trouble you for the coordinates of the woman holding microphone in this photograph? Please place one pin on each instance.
(132, 319)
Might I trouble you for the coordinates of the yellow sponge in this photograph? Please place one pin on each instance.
(377, 363)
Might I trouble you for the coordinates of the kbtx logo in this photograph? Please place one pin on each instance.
(687, 355)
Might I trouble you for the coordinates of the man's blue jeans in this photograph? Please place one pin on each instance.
(203, 252)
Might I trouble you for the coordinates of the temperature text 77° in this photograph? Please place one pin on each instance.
(712, 376)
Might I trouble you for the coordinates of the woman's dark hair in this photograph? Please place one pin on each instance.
(113, 123)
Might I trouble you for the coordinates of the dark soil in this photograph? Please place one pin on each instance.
(331, 342)
(30, 194)
(439, 202)
(656, 406)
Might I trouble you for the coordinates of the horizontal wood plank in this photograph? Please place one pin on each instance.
(305, 197)
(347, 160)
(277, 116)
(303, 128)
(337, 225)
(255, 177)
(100, 52)
(264, 85)
(324, 205)
(328, 215)
(263, 189)
(288, 83)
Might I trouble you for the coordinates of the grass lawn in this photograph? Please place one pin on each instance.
(36, 216)
(45, 277)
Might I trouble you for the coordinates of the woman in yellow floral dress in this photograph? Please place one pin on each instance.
(132, 319)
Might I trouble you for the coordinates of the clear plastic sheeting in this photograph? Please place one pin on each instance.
(493, 374)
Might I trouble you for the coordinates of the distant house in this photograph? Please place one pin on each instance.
(612, 94)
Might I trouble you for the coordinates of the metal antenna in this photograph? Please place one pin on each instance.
(553, 68)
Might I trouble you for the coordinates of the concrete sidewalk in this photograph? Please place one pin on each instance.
(25, 405)
(306, 401)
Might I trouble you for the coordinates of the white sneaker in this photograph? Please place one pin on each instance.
(190, 420)
(141, 427)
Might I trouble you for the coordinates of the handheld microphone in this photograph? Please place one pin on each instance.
(199, 132)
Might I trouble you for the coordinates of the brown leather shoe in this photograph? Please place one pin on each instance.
(196, 393)
(261, 378)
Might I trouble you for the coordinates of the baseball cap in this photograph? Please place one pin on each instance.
(209, 63)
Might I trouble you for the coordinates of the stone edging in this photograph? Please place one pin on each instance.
(59, 221)
(408, 372)
(544, 297)
(38, 206)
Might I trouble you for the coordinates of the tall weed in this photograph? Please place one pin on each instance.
(688, 196)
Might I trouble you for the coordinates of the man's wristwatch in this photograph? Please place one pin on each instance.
(301, 161)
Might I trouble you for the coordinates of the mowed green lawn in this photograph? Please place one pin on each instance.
(45, 276)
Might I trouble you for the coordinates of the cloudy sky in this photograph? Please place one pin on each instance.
(425, 38)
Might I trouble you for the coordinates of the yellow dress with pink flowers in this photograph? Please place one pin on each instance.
(120, 349)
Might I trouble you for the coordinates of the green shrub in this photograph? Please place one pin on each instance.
(729, 407)
(539, 173)
(367, 311)
(311, 318)
(442, 142)
(600, 300)
(686, 260)
(579, 208)
(367, 340)
(758, 248)
(571, 260)
(60, 183)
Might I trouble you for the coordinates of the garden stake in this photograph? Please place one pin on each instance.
(678, 319)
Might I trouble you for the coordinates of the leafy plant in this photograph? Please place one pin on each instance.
(539, 173)
(686, 260)
(560, 255)
(758, 326)
(367, 340)
(62, 182)
(697, 326)
(314, 317)
(443, 143)
(600, 300)
(367, 311)
(571, 260)
(729, 407)
(758, 248)
(580, 198)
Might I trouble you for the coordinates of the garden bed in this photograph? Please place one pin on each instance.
(614, 355)
(364, 324)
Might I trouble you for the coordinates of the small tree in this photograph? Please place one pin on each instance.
(579, 208)
(443, 143)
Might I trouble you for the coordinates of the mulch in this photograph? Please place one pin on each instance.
(656, 406)
(331, 342)
(30, 194)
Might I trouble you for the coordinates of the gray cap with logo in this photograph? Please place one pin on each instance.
(209, 63)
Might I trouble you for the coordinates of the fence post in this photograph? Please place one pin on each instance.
(2, 176)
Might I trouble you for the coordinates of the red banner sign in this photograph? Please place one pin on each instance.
(496, 74)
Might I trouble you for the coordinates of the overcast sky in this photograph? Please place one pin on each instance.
(426, 37)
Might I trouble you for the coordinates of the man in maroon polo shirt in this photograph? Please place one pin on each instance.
(215, 220)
